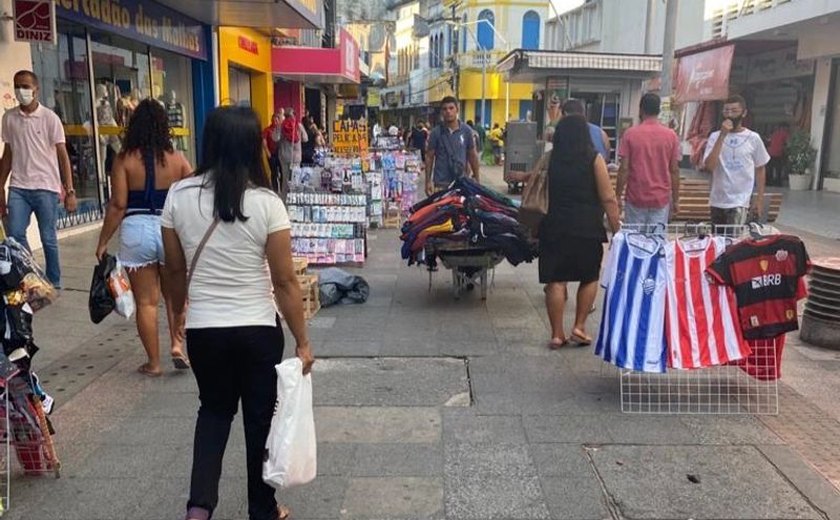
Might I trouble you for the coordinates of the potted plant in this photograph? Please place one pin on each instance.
(800, 157)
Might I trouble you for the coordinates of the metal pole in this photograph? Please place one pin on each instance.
(671, 10)
(507, 99)
(483, 83)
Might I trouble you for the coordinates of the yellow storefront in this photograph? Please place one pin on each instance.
(245, 76)
(502, 104)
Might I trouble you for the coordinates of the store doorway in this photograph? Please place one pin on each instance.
(240, 87)
(830, 164)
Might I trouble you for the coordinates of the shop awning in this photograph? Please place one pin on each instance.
(317, 65)
(304, 14)
(703, 75)
(525, 65)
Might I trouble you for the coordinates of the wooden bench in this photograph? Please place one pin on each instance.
(694, 202)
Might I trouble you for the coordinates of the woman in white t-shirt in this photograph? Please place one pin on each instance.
(233, 333)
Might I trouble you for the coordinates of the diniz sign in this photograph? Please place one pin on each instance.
(704, 76)
(34, 21)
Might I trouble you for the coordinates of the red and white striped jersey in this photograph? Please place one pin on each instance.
(701, 323)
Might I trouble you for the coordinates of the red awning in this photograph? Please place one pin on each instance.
(318, 65)
(704, 76)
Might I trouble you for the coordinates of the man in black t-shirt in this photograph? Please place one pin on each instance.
(417, 139)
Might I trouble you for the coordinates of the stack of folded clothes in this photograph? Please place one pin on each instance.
(470, 213)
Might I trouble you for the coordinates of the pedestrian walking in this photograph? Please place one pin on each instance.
(310, 144)
(482, 134)
(288, 137)
(776, 149)
(418, 137)
(234, 233)
(142, 174)
(736, 157)
(572, 233)
(650, 168)
(303, 138)
(271, 141)
(450, 149)
(497, 142)
(37, 167)
(600, 139)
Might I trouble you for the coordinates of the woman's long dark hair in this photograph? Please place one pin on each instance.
(148, 132)
(232, 153)
(572, 142)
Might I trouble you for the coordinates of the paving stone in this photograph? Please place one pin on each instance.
(376, 425)
(468, 427)
(653, 482)
(488, 460)
(353, 348)
(730, 430)
(397, 460)
(526, 403)
(575, 498)
(634, 429)
(394, 497)
(567, 429)
(321, 498)
(560, 460)
(389, 381)
(472, 497)
(808, 481)
(336, 458)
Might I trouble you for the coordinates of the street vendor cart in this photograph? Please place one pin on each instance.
(469, 263)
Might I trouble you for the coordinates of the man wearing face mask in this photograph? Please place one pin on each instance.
(736, 157)
(33, 155)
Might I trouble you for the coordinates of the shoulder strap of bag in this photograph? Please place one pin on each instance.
(199, 249)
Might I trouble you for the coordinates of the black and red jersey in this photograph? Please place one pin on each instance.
(765, 274)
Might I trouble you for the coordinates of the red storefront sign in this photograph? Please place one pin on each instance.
(34, 20)
(248, 45)
(704, 76)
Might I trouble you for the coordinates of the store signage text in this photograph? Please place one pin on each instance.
(146, 21)
(248, 45)
(34, 20)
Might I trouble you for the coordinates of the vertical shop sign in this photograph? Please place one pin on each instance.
(34, 21)
(704, 76)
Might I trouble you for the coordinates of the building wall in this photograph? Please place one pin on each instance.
(232, 53)
(625, 26)
(14, 56)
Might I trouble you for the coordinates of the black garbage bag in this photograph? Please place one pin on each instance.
(338, 286)
(100, 301)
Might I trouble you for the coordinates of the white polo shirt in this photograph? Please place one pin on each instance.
(33, 138)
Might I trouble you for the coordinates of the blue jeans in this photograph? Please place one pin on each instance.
(647, 218)
(44, 203)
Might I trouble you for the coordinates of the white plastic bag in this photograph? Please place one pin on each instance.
(120, 289)
(291, 448)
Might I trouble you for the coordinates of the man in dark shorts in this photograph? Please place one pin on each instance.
(450, 148)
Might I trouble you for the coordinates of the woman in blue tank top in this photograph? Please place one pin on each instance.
(140, 179)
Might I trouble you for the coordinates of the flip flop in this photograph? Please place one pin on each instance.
(181, 362)
(580, 341)
(283, 513)
(556, 344)
(148, 372)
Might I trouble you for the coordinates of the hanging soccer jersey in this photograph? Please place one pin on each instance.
(701, 324)
(632, 325)
(765, 274)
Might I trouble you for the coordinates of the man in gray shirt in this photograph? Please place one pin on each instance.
(449, 149)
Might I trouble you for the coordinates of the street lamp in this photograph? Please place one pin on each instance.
(484, 59)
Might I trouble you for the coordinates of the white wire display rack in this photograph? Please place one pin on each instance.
(7, 370)
(747, 387)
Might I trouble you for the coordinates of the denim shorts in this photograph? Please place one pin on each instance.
(140, 241)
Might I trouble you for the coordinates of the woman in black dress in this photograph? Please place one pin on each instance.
(572, 234)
